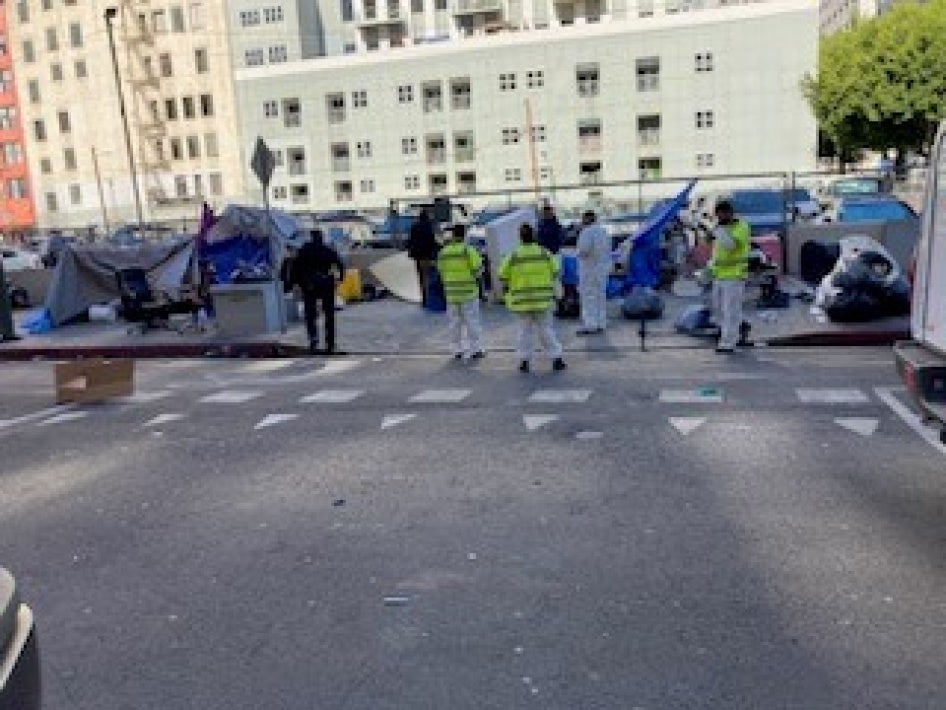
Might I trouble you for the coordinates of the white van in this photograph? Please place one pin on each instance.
(922, 361)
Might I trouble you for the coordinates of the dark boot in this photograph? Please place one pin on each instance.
(524, 366)
(558, 364)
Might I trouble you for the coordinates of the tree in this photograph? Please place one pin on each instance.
(882, 83)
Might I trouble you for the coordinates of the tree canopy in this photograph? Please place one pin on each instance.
(882, 83)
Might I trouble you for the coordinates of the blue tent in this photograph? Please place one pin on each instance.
(644, 264)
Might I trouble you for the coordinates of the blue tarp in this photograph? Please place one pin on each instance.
(237, 253)
(644, 264)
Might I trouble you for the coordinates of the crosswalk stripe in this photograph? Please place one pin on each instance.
(64, 417)
(164, 419)
(145, 397)
(392, 420)
(702, 395)
(274, 419)
(445, 396)
(332, 397)
(687, 425)
(832, 396)
(858, 425)
(560, 396)
(230, 397)
(537, 421)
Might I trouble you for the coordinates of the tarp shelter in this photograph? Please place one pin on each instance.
(247, 239)
(86, 274)
(502, 237)
(644, 265)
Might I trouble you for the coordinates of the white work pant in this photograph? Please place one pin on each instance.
(544, 323)
(592, 290)
(465, 316)
(728, 296)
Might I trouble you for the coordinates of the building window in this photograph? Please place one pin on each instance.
(39, 129)
(704, 119)
(589, 173)
(52, 40)
(75, 35)
(278, 54)
(507, 82)
(23, 11)
(417, 7)
(589, 136)
(16, 188)
(249, 18)
(159, 21)
(206, 105)
(201, 60)
(75, 194)
(193, 147)
(197, 15)
(188, 110)
(177, 18)
(69, 158)
(350, 48)
(32, 88)
(405, 93)
(408, 146)
(464, 148)
(535, 79)
(253, 57)
(433, 100)
(216, 183)
(45, 166)
(177, 149)
(513, 175)
(593, 11)
(271, 109)
(649, 168)
(587, 78)
(460, 94)
(343, 191)
(159, 150)
(364, 149)
(341, 160)
(180, 186)
(12, 153)
(335, 107)
(645, 8)
(705, 160)
(510, 136)
(81, 71)
(291, 112)
(7, 116)
(412, 182)
(466, 183)
(436, 150)
(648, 129)
(437, 184)
(55, 71)
(65, 125)
(538, 134)
(52, 204)
(211, 150)
(704, 62)
(280, 192)
(296, 158)
(272, 14)
(359, 99)
(164, 62)
(29, 52)
(170, 109)
(367, 186)
(648, 74)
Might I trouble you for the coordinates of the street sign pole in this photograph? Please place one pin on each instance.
(6, 310)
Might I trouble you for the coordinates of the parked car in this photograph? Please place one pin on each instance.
(766, 210)
(19, 652)
(16, 259)
(802, 204)
(858, 185)
(871, 209)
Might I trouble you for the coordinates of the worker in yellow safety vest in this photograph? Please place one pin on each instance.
(730, 268)
(530, 273)
(460, 266)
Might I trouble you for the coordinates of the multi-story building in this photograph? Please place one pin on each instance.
(16, 202)
(839, 15)
(573, 96)
(176, 79)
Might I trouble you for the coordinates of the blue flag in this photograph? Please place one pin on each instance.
(643, 268)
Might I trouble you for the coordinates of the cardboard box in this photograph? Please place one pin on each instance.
(85, 381)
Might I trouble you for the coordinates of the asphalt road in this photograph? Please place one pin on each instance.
(661, 530)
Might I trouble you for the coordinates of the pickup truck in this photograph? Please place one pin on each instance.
(19, 653)
(922, 360)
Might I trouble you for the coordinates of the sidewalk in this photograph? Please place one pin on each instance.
(391, 327)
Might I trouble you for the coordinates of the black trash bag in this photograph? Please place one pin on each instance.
(818, 260)
(642, 303)
(866, 292)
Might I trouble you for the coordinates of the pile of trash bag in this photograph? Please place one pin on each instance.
(866, 284)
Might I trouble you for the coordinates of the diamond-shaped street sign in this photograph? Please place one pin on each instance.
(263, 162)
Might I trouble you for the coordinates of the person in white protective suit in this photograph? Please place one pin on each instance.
(594, 267)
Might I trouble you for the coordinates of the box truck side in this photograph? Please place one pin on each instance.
(922, 360)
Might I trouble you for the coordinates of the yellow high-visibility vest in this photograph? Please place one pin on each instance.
(733, 264)
(459, 265)
(530, 273)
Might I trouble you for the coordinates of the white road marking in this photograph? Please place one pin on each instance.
(230, 397)
(537, 421)
(274, 419)
(449, 396)
(41, 414)
(832, 396)
(858, 425)
(335, 367)
(392, 420)
(145, 397)
(262, 366)
(687, 425)
(332, 367)
(332, 397)
(560, 396)
(164, 419)
(64, 417)
(909, 417)
(589, 435)
(703, 395)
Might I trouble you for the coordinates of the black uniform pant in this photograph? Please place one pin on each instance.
(320, 294)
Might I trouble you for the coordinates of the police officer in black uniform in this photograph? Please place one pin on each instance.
(312, 271)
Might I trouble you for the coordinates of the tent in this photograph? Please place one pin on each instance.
(644, 265)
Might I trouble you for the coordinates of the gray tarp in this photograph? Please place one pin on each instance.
(85, 275)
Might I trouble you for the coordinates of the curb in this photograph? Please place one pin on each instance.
(155, 351)
(841, 339)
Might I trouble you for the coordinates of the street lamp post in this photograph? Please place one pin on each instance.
(110, 13)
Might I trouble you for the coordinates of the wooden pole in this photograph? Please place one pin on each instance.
(98, 182)
(533, 157)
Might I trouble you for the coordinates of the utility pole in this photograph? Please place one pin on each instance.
(98, 182)
(533, 157)
(110, 14)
